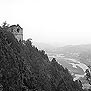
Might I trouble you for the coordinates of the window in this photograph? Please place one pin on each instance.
(18, 30)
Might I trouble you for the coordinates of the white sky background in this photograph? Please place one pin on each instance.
(50, 21)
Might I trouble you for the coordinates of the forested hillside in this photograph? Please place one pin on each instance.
(25, 68)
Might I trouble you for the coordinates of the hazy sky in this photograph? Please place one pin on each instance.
(50, 21)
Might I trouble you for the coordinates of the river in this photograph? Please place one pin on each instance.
(74, 64)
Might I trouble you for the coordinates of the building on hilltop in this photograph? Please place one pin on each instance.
(17, 31)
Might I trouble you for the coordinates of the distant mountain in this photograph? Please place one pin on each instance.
(79, 52)
(44, 46)
(73, 49)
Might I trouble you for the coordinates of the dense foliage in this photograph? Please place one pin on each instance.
(25, 68)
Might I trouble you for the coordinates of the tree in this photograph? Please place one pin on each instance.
(5, 25)
(88, 74)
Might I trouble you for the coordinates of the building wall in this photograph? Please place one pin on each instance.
(19, 37)
(17, 31)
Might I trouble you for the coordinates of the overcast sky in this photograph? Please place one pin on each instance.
(50, 21)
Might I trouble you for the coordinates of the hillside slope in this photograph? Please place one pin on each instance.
(25, 68)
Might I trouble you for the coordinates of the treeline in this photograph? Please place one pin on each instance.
(25, 68)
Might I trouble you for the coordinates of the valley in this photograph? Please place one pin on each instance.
(76, 67)
(76, 58)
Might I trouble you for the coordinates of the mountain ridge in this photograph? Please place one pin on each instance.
(25, 68)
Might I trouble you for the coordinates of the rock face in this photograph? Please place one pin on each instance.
(25, 68)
